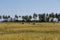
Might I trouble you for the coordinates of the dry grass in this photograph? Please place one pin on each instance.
(39, 31)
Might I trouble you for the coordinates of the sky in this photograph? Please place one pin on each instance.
(28, 7)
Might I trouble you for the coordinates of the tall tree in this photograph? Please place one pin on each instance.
(43, 17)
(30, 17)
(52, 14)
(56, 15)
(16, 18)
(35, 16)
(26, 18)
(39, 15)
(59, 17)
(47, 17)
(0, 17)
(5, 18)
(23, 17)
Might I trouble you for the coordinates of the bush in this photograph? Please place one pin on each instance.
(22, 23)
(33, 23)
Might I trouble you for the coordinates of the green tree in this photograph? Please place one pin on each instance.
(5, 18)
(56, 15)
(23, 17)
(0, 17)
(39, 15)
(30, 17)
(35, 16)
(43, 17)
(16, 18)
(47, 17)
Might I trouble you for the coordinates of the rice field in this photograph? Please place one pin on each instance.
(26, 31)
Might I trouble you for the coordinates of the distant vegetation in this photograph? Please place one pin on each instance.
(17, 29)
(28, 18)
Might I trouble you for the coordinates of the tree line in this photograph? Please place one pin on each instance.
(29, 18)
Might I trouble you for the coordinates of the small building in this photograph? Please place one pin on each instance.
(59, 19)
(1, 20)
(51, 19)
(55, 19)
